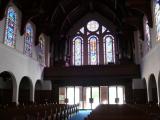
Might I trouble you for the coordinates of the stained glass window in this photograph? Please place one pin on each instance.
(108, 46)
(103, 29)
(28, 40)
(157, 17)
(41, 50)
(82, 30)
(92, 26)
(77, 50)
(147, 34)
(10, 32)
(42, 45)
(93, 50)
(91, 40)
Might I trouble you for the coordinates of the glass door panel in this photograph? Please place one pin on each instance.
(86, 97)
(104, 94)
(62, 95)
(112, 94)
(78, 96)
(95, 97)
(70, 95)
(120, 94)
(116, 95)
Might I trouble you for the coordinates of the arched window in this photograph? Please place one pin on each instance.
(42, 45)
(108, 48)
(41, 50)
(93, 50)
(77, 50)
(147, 36)
(10, 30)
(28, 40)
(157, 17)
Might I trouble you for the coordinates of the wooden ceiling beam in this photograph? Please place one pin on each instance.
(143, 6)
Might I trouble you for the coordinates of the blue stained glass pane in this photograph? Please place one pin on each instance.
(157, 17)
(147, 34)
(108, 49)
(77, 51)
(28, 40)
(10, 31)
(109, 44)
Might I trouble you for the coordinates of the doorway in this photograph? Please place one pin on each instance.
(89, 97)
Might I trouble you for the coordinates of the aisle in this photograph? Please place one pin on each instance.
(80, 115)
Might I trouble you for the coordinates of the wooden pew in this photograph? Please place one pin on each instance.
(37, 112)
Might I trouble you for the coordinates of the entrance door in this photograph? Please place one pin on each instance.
(90, 97)
(116, 94)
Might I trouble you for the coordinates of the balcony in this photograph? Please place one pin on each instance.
(93, 72)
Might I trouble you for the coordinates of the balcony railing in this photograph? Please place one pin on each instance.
(92, 72)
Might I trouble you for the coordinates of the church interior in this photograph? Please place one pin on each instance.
(59, 58)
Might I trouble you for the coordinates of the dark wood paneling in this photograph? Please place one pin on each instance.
(154, 95)
(5, 96)
(24, 96)
(128, 93)
(42, 96)
(140, 96)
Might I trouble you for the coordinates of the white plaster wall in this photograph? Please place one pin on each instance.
(14, 61)
(2, 25)
(150, 63)
(19, 64)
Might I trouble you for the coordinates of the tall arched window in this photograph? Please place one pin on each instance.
(108, 48)
(10, 32)
(93, 50)
(157, 17)
(42, 45)
(147, 36)
(41, 50)
(28, 40)
(77, 50)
